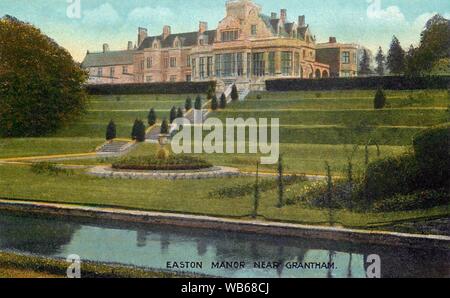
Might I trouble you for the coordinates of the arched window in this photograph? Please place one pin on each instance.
(325, 74)
(318, 74)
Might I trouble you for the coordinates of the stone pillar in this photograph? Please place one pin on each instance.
(278, 63)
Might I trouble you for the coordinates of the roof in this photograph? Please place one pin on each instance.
(188, 39)
(108, 58)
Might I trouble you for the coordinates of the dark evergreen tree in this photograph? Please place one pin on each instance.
(396, 57)
(381, 60)
(151, 117)
(364, 65)
(140, 131)
(198, 103)
(180, 113)
(280, 183)
(173, 114)
(164, 127)
(188, 104)
(214, 103)
(234, 93)
(111, 132)
(380, 99)
(210, 93)
(134, 130)
(223, 101)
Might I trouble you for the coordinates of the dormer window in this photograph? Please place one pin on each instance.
(230, 35)
(253, 30)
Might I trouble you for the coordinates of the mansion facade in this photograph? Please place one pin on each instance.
(247, 46)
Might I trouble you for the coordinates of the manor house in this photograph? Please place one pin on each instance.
(246, 47)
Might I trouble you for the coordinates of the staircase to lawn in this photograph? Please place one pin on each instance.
(116, 147)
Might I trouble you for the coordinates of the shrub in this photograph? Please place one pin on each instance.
(49, 168)
(214, 103)
(111, 132)
(380, 99)
(188, 104)
(164, 127)
(180, 113)
(234, 93)
(417, 200)
(150, 88)
(41, 87)
(259, 97)
(432, 151)
(151, 117)
(387, 177)
(173, 114)
(223, 101)
(138, 131)
(364, 83)
(171, 163)
(198, 103)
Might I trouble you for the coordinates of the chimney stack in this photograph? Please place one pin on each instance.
(142, 34)
(166, 31)
(332, 39)
(301, 21)
(130, 46)
(283, 15)
(203, 26)
(105, 48)
(273, 15)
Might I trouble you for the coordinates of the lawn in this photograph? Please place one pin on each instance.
(18, 182)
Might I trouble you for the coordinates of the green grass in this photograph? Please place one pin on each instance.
(21, 183)
(24, 266)
(23, 147)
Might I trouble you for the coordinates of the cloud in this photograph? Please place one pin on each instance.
(389, 14)
(150, 14)
(103, 15)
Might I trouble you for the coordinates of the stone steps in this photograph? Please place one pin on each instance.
(115, 147)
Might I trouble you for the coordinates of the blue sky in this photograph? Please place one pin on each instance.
(368, 22)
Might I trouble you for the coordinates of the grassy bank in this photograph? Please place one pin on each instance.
(21, 266)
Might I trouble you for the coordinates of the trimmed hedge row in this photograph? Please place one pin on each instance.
(172, 163)
(150, 88)
(363, 83)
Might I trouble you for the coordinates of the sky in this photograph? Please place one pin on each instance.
(371, 23)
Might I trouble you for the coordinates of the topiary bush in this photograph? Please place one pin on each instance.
(234, 93)
(111, 131)
(198, 103)
(138, 131)
(151, 118)
(379, 100)
(223, 101)
(432, 151)
(214, 103)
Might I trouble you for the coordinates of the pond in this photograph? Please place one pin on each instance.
(209, 252)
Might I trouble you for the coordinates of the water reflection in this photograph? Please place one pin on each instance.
(154, 247)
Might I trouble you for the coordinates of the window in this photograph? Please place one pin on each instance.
(173, 78)
(297, 64)
(188, 61)
(148, 79)
(240, 64)
(112, 70)
(346, 57)
(194, 67)
(125, 69)
(166, 62)
(209, 67)
(230, 35)
(149, 62)
(173, 62)
(249, 66)
(272, 63)
(254, 30)
(142, 64)
(202, 67)
(100, 72)
(286, 63)
(218, 64)
(258, 64)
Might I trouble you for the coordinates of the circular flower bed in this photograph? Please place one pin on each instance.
(151, 163)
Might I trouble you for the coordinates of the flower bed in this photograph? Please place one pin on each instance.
(172, 163)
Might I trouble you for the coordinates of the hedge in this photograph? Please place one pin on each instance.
(363, 83)
(151, 88)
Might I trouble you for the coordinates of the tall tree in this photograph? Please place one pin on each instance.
(364, 65)
(41, 86)
(111, 131)
(151, 118)
(380, 59)
(396, 57)
(173, 114)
